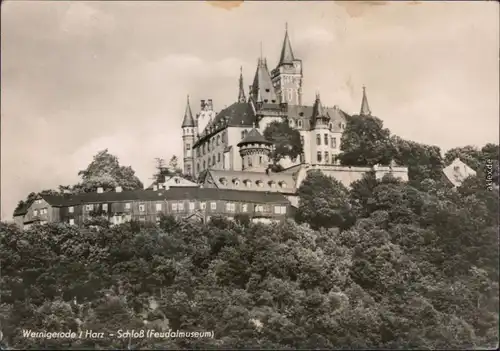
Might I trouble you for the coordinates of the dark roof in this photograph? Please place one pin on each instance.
(188, 116)
(177, 193)
(286, 56)
(254, 137)
(262, 87)
(365, 108)
(237, 114)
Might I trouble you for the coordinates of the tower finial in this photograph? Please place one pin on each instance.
(365, 108)
(241, 92)
(188, 115)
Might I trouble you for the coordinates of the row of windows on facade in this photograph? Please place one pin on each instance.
(42, 211)
(205, 147)
(212, 163)
(333, 140)
(327, 157)
(259, 183)
(179, 207)
(299, 124)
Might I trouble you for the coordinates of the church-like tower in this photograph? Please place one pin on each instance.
(188, 135)
(255, 151)
(287, 76)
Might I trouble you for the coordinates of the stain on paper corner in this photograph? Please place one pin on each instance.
(227, 5)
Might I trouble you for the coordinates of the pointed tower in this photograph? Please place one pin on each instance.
(188, 132)
(287, 76)
(320, 116)
(365, 108)
(255, 151)
(262, 83)
(241, 93)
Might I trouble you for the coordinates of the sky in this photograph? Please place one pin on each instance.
(79, 77)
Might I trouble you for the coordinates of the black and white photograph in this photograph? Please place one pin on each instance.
(249, 175)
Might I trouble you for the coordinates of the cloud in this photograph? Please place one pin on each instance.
(316, 35)
(82, 19)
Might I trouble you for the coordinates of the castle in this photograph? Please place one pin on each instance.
(227, 150)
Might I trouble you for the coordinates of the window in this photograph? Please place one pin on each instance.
(236, 182)
(181, 206)
(318, 139)
(203, 205)
(249, 162)
(105, 207)
(218, 140)
(198, 152)
(327, 157)
(228, 207)
(204, 164)
(198, 167)
(188, 169)
(260, 160)
(89, 207)
(330, 126)
(35, 212)
(277, 209)
(71, 221)
(319, 156)
(142, 218)
(244, 208)
(158, 207)
(299, 123)
(213, 206)
(333, 159)
(259, 208)
(213, 160)
(334, 142)
(158, 219)
(260, 184)
(326, 139)
(243, 135)
(218, 157)
(208, 146)
(127, 206)
(302, 140)
(142, 207)
(283, 184)
(283, 209)
(71, 209)
(248, 183)
(174, 207)
(191, 206)
(188, 146)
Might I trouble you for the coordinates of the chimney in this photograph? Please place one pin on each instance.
(118, 189)
(210, 105)
(202, 105)
(100, 190)
(155, 187)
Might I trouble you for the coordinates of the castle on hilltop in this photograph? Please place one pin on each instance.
(228, 150)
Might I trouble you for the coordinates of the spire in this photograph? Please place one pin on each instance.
(318, 110)
(188, 116)
(286, 51)
(365, 109)
(241, 94)
(262, 89)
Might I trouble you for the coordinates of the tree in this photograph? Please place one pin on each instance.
(323, 202)
(365, 142)
(105, 171)
(286, 140)
(485, 161)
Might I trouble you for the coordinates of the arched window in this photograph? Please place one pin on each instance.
(218, 140)
(299, 123)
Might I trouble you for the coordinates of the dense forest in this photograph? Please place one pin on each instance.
(384, 264)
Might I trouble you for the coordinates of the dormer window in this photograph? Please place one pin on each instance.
(267, 90)
(282, 184)
(248, 183)
(236, 182)
(265, 100)
(299, 123)
(272, 184)
(223, 181)
(273, 101)
(259, 183)
(301, 114)
(177, 180)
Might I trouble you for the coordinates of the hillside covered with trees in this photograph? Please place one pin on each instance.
(385, 264)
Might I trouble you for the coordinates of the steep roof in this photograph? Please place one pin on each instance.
(318, 110)
(337, 116)
(188, 116)
(286, 56)
(365, 108)
(215, 177)
(237, 114)
(262, 84)
(254, 137)
(241, 90)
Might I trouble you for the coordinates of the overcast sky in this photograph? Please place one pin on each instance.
(78, 77)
